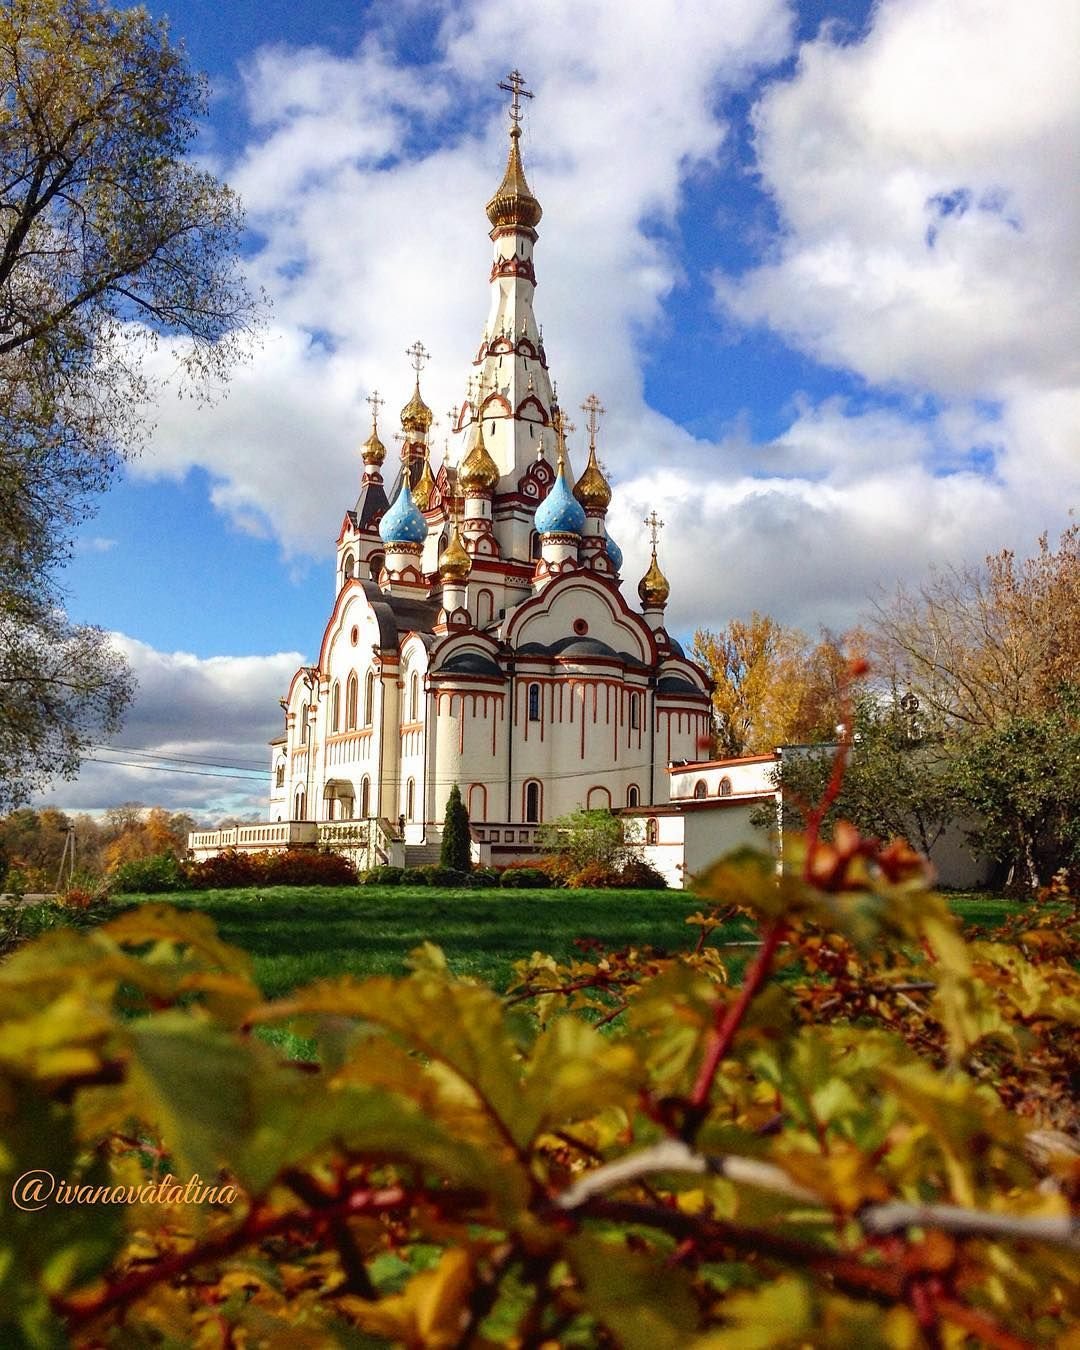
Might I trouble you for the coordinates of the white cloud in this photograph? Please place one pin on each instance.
(926, 181)
(929, 244)
(190, 713)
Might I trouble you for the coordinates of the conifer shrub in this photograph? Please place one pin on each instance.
(455, 850)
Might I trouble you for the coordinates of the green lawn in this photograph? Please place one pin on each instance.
(300, 934)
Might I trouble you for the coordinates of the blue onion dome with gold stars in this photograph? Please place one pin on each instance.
(614, 552)
(403, 523)
(559, 512)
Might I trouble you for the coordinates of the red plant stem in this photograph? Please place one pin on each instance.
(721, 1036)
(715, 1239)
(977, 1324)
(256, 1228)
(816, 815)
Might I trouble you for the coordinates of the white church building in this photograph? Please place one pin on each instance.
(479, 632)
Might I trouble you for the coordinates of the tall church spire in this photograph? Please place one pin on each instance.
(510, 390)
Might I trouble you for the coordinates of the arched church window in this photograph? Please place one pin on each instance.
(701, 789)
(534, 545)
(725, 787)
(414, 697)
(279, 777)
(335, 707)
(365, 797)
(375, 564)
(349, 570)
(651, 830)
(633, 796)
(369, 698)
(598, 799)
(485, 607)
(635, 712)
(301, 806)
(533, 800)
(534, 703)
(477, 802)
(410, 799)
(304, 724)
(350, 703)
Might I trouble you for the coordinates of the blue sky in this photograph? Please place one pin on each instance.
(818, 261)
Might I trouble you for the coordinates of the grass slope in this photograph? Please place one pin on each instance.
(299, 934)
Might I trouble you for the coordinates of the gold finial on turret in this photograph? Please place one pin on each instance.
(374, 452)
(513, 203)
(593, 490)
(478, 472)
(416, 415)
(653, 588)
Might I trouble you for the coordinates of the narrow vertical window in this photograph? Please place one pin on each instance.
(335, 707)
(534, 703)
(304, 724)
(634, 712)
(633, 797)
(532, 803)
(650, 831)
(350, 703)
(369, 698)
(414, 698)
(365, 798)
(301, 806)
(410, 799)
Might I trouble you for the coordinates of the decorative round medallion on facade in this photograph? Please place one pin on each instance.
(581, 627)
(403, 523)
(354, 635)
(559, 513)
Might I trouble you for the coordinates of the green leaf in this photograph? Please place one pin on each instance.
(644, 1302)
(776, 1314)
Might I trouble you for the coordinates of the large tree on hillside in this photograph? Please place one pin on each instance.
(111, 241)
(772, 685)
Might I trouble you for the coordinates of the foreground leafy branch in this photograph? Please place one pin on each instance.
(463, 1169)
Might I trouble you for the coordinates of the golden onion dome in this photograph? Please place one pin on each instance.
(424, 487)
(478, 472)
(416, 415)
(513, 203)
(374, 452)
(454, 563)
(653, 586)
(592, 489)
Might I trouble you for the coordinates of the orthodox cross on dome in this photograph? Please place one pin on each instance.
(375, 402)
(419, 354)
(655, 525)
(593, 410)
(515, 84)
(562, 425)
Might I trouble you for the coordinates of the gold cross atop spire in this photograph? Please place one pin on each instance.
(562, 425)
(419, 354)
(655, 525)
(593, 410)
(375, 402)
(515, 84)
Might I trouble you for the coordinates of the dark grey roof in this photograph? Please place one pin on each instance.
(579, 646)
(370, 505)
(675, 684)
(469, 663)
(397, 614)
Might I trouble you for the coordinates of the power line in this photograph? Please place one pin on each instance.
(252, 777)
(180, 759)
